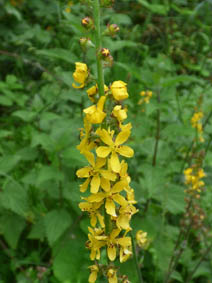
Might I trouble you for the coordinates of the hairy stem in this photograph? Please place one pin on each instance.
(98, 37)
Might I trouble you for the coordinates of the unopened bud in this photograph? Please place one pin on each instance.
(85, 43)
(87, 23)
(112, 29)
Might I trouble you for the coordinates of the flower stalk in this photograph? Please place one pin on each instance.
(98, 38)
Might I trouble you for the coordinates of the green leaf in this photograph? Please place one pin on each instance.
(6, 101)
(14, 197)
(59, 54)
(70, 257)
(12, 227)
(24, 115)
(8, 162)
(47, 173)
(38, 230)
(56, 222)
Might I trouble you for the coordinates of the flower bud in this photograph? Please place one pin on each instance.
(85, 43)
(87, 23)
(112, 29)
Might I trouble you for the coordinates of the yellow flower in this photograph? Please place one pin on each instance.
(141, 239)
(119, 113)
(119, 90)
(95, 244)
(93, 211)
(110, 196)
(94, 113)
(96, 176)
(113, 242)
(124, 216)
(114, 147)
(94, 272)
(80, 75)
(85, 145)
(111, 275)
(92, 91)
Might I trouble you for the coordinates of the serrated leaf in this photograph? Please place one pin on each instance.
(14, 197)
(12, 227)
(56, 222)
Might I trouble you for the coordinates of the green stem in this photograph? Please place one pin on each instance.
(98, 37)
(140, 279)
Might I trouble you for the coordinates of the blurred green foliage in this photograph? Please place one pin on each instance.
(163, 46)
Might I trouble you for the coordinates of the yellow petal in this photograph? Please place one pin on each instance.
(95, 183)
(83, 172)
(100, 162)
(120, 199)
(115, 163)
(96, 197)
(105, 184)
(105, 137)
(108, 175)
(111, 252)
(110, 207)
(84, 186)
(100, 103)
(122, 137)
(125, 151)
(85, 206)
(90, 157)
(103, 151)
(123, 222)
(125, 241)
(93, 220)
(92, 277)
(118, 187)
(101, 220)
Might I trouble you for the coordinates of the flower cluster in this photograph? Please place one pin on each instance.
(146, 96)
(197, 124)
(110, 202)
(193, 178)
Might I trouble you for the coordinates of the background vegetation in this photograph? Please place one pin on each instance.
(163, 46)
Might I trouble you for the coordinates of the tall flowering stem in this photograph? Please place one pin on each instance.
(110, 200)
(98, 37)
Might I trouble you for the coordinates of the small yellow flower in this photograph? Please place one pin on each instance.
(119, 90)
(94, 113)
(95, 174)
(80, 75)
(111, 196)
(124, 216)
(93, 210)
(92, 91)
(114, 147)
(111, 275)
(141, 239)
(94, 272)
(95, 244)
(119, 113)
